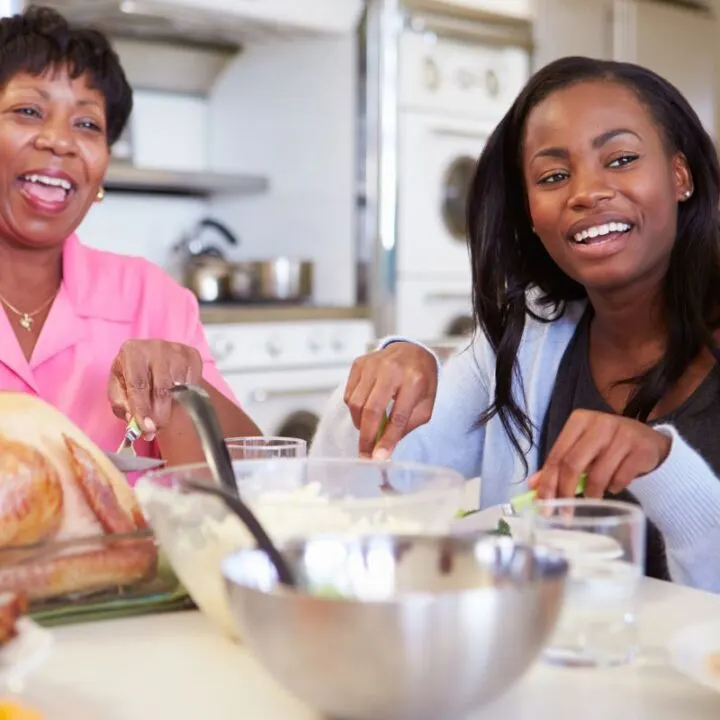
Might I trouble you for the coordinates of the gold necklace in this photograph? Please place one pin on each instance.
(27, 319)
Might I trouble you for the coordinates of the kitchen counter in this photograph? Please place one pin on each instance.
(232, 314)
(177, 666)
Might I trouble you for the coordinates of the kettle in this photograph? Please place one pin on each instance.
(203, 239)
(201, 263)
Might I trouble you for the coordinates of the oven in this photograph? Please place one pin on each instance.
(434, 310)
(286, 403)
(283, 373)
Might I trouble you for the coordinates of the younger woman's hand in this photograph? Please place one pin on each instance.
(403, 373)
(612, 450)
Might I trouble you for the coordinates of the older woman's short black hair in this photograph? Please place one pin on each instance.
(40, 39)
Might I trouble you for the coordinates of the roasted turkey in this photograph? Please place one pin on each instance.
(68, 517)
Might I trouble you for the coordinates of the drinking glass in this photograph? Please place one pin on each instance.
(604, 543)
(263, 448)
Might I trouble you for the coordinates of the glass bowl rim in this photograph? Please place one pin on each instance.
(398, 499)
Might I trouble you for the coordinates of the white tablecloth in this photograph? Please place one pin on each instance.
(178, 667)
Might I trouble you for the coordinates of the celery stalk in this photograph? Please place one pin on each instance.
(524, 501)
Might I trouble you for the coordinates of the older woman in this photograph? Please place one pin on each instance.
(593, 230)
(81, 325)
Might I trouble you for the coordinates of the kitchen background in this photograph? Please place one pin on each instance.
(333, 140)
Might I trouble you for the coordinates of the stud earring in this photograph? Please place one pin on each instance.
(688, 194)
(101, 194)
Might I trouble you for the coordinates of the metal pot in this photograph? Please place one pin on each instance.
(208, 278)
(277, 280)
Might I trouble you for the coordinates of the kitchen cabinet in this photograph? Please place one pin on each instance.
(675, 41)
(520, 9)
(572, 27)
(313, 15)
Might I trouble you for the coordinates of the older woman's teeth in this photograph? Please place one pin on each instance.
(47, 189)
(50, 181)
(600, 231)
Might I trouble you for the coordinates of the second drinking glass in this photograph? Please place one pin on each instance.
(263, 448)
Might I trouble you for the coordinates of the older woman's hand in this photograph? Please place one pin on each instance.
(402, 373)
(612, 450)
(142, 375)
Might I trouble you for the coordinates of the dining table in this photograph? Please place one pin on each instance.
(178, 666)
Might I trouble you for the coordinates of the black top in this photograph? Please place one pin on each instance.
(697, 420)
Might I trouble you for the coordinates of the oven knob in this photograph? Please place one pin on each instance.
(431, 74)
(338, 344)
(259, 396)
(492, 83)
(314, 344)
(221, 350)
(273, 348)
(465, 79)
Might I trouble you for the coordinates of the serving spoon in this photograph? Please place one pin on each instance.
(197, 402)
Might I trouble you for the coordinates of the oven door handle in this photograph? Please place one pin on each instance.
(461, 134)
(261, 396)
(446, 296)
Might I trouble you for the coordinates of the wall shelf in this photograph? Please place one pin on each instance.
(126, 178)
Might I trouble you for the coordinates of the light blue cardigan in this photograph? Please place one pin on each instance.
(682, 497)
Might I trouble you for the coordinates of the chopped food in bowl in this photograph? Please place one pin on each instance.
(295, 497)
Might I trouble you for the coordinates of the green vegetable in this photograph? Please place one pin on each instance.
(519, 504)
(503, 528)
(524, 501)
(383, 425)
(328, 592)
(582, 482)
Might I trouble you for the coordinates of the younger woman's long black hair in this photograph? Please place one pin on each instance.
(508, 259)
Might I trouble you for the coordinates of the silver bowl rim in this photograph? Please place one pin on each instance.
(557, 565)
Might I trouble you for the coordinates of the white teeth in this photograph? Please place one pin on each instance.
(600, 230)
(52, 181)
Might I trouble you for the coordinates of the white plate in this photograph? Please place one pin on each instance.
(690, 651)
(569, 542)
(24, 653)
(575, 543)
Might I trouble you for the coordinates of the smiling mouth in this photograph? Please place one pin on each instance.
(601, 233)
(47, 189)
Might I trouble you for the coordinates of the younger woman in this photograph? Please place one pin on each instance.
(593, 231)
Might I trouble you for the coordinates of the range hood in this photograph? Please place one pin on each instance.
(229, 22)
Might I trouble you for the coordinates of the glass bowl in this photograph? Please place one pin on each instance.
(295, 497)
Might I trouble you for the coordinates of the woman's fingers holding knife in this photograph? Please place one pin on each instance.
(409, 411)
(142, 376)
(374, 420)
(610, 450)
(403, 374)
(573, 453)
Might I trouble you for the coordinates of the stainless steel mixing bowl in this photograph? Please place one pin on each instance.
(398, 628)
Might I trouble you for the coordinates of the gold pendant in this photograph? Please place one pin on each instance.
(26, 322)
